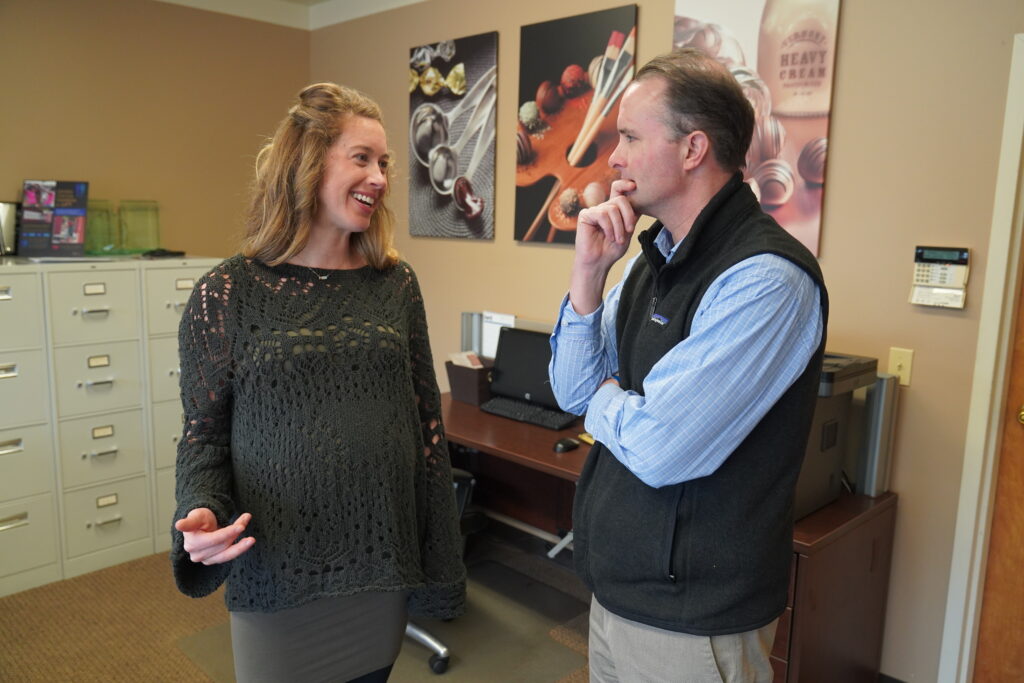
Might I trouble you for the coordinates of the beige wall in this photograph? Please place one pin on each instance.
(171, 103)
(145, 100)
(917, 116)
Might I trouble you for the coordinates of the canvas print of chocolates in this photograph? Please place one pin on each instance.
(453, 87)
(783, 54)
(572, 73)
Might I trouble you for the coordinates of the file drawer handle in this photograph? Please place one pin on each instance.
(174, 372)
(5, 293)
(8, 371)
(89, 384)
(99, 454)
(103, 522)
(14, 521)
(93, 311)
(11, 447)
(176, 305)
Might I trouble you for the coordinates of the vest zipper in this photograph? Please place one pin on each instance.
(655, 317)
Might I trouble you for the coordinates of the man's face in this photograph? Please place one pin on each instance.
(648, 152)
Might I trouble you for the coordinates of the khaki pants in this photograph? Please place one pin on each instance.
(624, 651)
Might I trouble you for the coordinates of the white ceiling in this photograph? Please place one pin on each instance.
(305, 14)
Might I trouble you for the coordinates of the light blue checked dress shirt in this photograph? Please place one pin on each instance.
(755, 329)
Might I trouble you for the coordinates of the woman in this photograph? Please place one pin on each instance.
(313, 472)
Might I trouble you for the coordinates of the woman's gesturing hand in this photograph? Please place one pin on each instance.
(207, 543)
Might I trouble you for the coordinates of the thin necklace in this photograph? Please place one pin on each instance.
(322, 277)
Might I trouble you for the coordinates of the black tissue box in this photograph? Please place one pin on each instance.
(469, 385)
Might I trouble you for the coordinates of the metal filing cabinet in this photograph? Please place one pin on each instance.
(89, 413)
(94, 311)
(28, 530)
(168, 287)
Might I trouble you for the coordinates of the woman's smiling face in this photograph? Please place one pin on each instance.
(355, 176)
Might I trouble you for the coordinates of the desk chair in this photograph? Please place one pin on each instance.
(440, 655)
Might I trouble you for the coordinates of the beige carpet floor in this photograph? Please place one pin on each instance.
(118, 624)
(526, 622)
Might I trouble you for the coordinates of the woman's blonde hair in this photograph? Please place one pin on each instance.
(289, 169)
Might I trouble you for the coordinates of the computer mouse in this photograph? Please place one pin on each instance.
(566, 444)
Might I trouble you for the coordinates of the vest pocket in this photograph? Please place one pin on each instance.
(671, 513)
(626, 530)
(581, 514)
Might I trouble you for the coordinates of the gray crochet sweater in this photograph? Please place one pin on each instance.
(313, 405)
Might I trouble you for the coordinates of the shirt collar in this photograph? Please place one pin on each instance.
(663, 241)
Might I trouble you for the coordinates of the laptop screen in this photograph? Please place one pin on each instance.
(521, 366)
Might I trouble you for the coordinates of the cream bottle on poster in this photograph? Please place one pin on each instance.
(796, 55)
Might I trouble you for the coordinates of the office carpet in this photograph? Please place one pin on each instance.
(121, 623)
(526, 622)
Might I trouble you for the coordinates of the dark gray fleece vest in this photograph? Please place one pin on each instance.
(709, 556)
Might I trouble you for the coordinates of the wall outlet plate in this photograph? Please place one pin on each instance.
(900, 362)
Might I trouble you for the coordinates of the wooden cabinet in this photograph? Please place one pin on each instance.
(832, 630)
(832, 627)
(89, 396)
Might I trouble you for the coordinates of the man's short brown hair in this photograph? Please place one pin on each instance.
(701, 94)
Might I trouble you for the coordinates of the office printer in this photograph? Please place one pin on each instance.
(851, 434)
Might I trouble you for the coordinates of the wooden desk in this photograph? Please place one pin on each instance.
(518, 474)
(831, 629)
(518, 442)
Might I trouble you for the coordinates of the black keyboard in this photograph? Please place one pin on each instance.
(524, 411)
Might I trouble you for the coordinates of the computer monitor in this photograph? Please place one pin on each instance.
(521, 366)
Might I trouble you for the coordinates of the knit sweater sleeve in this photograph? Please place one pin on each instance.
(443, 595)
(203, 472)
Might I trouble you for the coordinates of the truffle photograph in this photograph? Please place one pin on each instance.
(572, 72)
(453, 88)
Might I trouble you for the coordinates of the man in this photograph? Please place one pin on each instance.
(698, 373)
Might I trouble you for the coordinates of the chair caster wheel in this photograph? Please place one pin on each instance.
(438, 664)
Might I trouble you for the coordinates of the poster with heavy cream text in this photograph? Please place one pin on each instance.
(782, 52)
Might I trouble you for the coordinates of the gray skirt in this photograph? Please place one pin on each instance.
(331, 639)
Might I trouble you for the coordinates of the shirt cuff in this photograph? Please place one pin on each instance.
(604, 404)
(574, 324)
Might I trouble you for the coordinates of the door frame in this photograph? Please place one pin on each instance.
(988, 392)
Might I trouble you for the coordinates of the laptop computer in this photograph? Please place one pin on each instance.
(520, 386)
